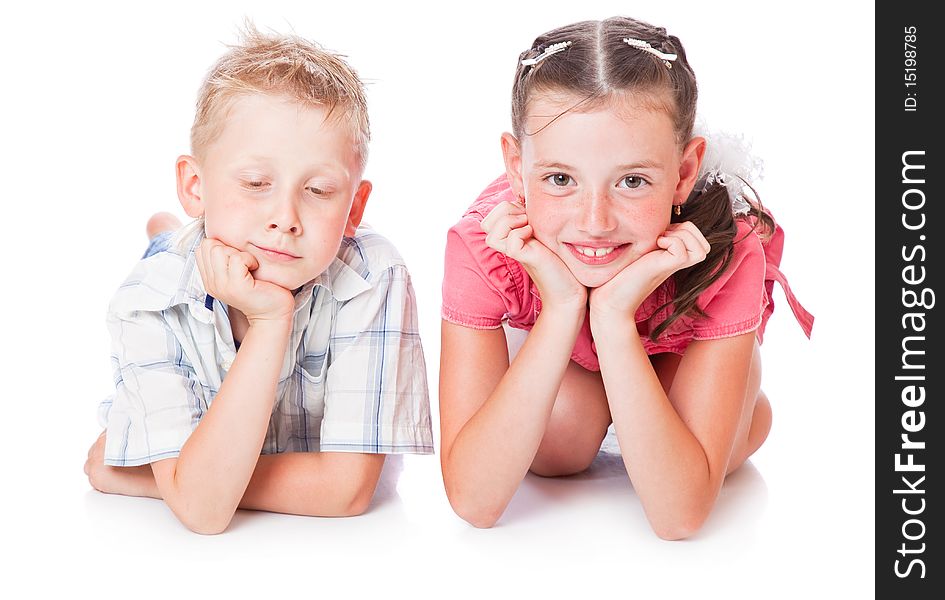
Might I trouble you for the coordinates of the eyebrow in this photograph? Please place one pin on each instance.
(643, 164)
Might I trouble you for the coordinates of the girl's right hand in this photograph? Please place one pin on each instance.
(226, 273)
(507, 230)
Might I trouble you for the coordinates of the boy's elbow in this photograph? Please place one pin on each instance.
(204, 524)
(352, 499)
(359, 502)
(200, 516)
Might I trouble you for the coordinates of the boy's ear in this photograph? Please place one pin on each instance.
(512, 153)
(689, 168)
(357, 207)
(188, 186)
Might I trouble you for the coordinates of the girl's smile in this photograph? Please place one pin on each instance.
(599, 185)
(596, 253)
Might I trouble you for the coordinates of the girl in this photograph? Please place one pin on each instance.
(641, 272)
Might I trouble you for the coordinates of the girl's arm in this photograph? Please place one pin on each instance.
(493, 415)
(676, 447)
(676, 444)
(319, 484)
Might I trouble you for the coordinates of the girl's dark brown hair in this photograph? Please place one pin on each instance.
(599, 64)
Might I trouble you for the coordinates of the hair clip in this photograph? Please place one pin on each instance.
(552, 49)
(646, 47)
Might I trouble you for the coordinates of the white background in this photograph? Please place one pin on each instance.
(97, 104)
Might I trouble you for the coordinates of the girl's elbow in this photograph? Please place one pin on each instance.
(478, 517)
(679, 527)
(478, 514)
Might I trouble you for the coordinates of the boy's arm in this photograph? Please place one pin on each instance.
(215, 460)
(204, 484)
(326, 484)
(318, 484)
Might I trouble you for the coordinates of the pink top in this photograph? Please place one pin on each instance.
(482, 287)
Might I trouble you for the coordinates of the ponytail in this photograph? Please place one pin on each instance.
(711, 212)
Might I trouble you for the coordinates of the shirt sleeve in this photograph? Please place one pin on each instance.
(376, 395)
(157, 401)
(734, 303)
(479, 289)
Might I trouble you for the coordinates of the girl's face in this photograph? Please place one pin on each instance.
(599, 186)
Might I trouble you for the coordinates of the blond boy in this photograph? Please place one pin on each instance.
(269, 358)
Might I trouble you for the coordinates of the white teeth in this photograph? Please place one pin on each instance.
(594, 252)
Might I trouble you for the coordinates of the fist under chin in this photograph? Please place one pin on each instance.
(275, 276)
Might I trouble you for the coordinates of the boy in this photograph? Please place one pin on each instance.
(272, 324)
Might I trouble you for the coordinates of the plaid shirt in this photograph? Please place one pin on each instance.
(353, 378)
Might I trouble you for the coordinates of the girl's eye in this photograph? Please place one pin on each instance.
(315, 190)
(560, 179)
(632, 181)
(255, 185)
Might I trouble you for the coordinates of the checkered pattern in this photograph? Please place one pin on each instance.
(353, 378)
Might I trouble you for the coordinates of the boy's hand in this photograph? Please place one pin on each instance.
(507, 230)
(226, 274)
(95, 464)
(130, 481)
(681, 245)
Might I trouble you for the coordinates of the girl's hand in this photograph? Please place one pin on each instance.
(681, 245)
(507, 230)
(227, 277)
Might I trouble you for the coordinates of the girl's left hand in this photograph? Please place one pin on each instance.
(681, 245)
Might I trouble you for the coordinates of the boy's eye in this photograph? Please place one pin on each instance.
(560, 179)
(632, 181)
(255, 184)
(315, 190)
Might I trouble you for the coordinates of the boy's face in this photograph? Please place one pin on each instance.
(281, 183)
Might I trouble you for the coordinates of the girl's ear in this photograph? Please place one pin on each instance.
(357, 207)
(188, 186)
(689, 169)
(512, 153)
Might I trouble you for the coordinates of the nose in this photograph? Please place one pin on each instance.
(284, 216)
(596, 217)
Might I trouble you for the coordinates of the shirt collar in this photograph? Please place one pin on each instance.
(341, 281)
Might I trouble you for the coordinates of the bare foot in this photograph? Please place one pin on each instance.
(161, 222)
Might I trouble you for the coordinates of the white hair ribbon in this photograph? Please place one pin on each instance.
(728, 161)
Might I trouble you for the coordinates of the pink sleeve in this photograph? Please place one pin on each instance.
(734, 303)
(479, 287)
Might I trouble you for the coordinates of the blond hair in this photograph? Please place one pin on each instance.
(281, 65)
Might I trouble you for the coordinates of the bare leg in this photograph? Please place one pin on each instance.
(581, 416)
(578, 424)
(161, 222)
